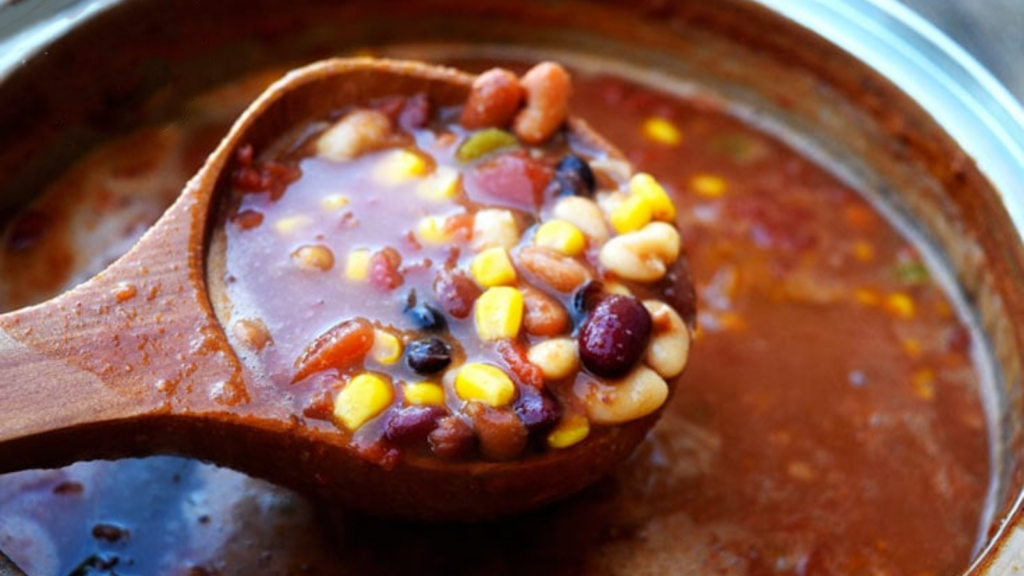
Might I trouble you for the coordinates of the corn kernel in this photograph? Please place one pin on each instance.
(912, 348)
(386, 348)
(364, 397)
(867, 297)
(485, 383)
(570, 431)
(863, 251)
(645, 186)
(662, 131)
(424, 393)
(562, 236)
(398, 166)
(357, 265)
(631, 215)
(433, 230)
(442, 185)
(708, 185)
(334, 202)
(290, 224)
(900, 305)
(499, 313)
(492, 267)
(923, 384)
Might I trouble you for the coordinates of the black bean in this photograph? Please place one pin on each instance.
(614, 336)
(424, 316)
(428, 355)
(573, 176)
(586, 298)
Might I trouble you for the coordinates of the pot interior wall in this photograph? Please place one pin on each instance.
(89, 87)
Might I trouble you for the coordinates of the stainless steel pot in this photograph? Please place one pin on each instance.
(865, 85)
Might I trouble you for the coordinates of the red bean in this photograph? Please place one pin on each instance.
(412, 423)
(456, 293)
(384, 272)
(537, 409)
(614, 336)
(452, 439)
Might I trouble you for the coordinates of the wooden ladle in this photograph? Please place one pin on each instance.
(134, 362)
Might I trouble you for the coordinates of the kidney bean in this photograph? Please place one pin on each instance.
(493, 100)
(412, 423)
(456, 293)
(452, 439)
(537, 410)
(614, 336)
(428, 355)
(501, 434)
(544, 316)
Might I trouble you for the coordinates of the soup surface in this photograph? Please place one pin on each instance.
(829, 421)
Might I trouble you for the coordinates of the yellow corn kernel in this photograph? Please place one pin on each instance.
(357, 265)
(708, 185)
(569, 432)
(289, 224)
(492, 267)
(433, 230)
(442, 185)
(645, 186)
(334, 202)
(731, 321)
(863, 251)
(562, 236)
(386, 348)
(364, 397)
(398, 166)
(662, 131)
(424, 393)
(912, 348)
(485, 383)
(499, 313)
(631, 214)
(900, 305)
(867, 297)
(923, 384)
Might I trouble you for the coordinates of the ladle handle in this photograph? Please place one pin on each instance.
(85, 374)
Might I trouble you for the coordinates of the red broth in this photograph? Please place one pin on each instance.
(829, 422)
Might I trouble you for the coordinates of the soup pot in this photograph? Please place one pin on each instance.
(864, 86)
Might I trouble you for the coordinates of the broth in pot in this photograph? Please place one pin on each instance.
(830, 420)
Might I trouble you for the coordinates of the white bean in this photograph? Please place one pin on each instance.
(494, 228)
(669, 348)
(557, 358)
(585, 215)
(358, 132)
(644, 255)
(640, 393)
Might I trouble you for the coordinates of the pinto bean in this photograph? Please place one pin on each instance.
(493, 100)
(548, 88)
(544, 316)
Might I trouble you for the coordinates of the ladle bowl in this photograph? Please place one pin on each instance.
(135, 362)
